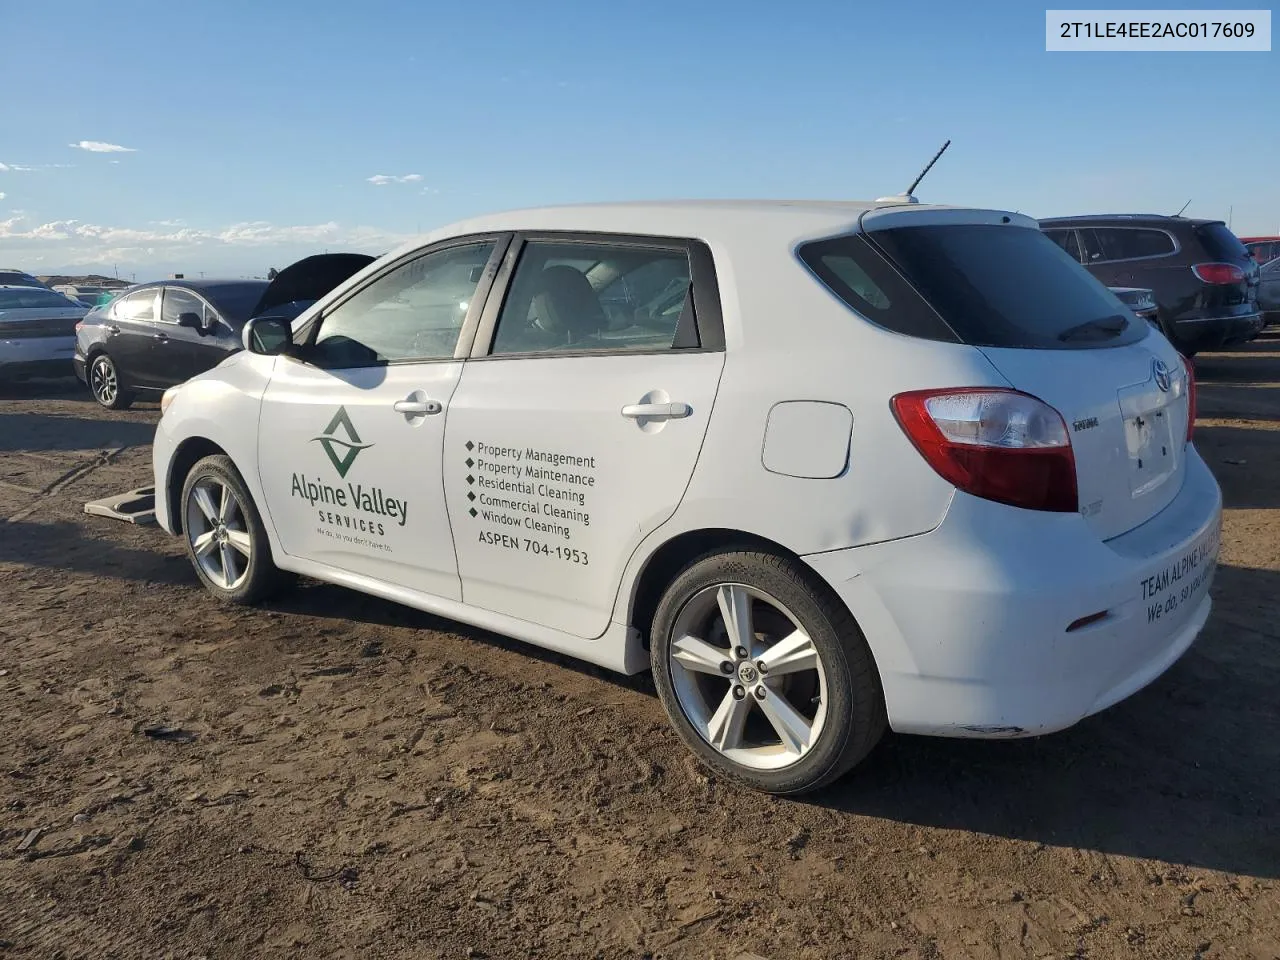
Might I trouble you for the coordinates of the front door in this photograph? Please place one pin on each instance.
(574, 435)
(183, 351)
(352, 429)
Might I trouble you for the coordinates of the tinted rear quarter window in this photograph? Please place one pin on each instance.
(1220, 243)
(984, 285)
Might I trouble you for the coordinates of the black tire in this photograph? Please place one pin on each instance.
(855, 717)
(105, 384)
(262, 579)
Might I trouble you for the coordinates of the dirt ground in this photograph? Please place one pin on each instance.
(358, 780)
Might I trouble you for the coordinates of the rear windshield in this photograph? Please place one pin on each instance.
(1220, 243)
(985, 285)
(21, 298)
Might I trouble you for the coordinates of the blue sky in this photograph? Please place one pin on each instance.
(253, 129)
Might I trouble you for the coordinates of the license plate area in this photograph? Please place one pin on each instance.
(1150, 434)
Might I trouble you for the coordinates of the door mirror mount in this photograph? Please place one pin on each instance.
(268, 336)
(191, 320)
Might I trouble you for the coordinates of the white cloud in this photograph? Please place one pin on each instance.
(2, 195)
(382, 179)
(97, 146)
(74, 242)
(28, 168)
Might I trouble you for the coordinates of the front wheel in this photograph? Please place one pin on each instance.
(225, 537)
(764, 673)
(104, 383)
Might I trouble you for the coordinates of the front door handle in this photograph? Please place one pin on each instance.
(418, 407)
(656, 411)
(162, 336)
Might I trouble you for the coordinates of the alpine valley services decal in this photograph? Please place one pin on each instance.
(348, 511)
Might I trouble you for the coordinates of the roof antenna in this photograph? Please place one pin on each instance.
(909, 197)
(1184, 207)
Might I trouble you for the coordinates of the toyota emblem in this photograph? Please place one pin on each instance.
(1161, 372)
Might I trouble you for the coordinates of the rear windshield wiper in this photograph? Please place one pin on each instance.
(1102, 329)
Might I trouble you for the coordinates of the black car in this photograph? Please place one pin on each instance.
(1141, 301)
(155, 335)
(1204, 280)
(12, 277)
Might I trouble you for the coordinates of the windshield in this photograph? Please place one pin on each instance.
(235, 301)
(1007, 286)
(24, 298)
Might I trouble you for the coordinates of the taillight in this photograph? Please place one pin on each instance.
(996, 444)
(1189, 366)
(1218, 272)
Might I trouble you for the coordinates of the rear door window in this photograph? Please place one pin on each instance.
(988, 285)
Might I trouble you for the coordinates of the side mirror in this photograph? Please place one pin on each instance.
(268, 336)
(191, 320)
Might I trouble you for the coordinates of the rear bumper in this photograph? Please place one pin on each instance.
(78, 364)
(1215, 332)
(969, 623)
(22, 357)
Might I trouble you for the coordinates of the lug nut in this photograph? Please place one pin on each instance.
(739, 692)
(741, 653)
(726, 667)
(762, 667)
(760, 692)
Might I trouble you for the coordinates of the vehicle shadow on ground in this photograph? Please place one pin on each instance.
(338, 603)
(63, 546)
(1187, 771)
(1235, 454)
(43, 433)
(62, 388)
(1182, 772)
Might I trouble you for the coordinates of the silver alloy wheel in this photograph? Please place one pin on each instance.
(748, 677)
(103, 382)
(218, 534)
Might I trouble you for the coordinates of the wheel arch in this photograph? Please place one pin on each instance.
(673, 556)
(189, 452)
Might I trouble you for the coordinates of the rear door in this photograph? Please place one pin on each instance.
(578, 420)
(131, 337)
(1056, 334)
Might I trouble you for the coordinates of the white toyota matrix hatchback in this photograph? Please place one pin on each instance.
(825, 468)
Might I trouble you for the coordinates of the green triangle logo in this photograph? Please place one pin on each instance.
(342, 451)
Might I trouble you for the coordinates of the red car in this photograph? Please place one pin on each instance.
(1264, 249)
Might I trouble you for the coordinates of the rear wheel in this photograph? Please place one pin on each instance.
(764, 673)
(104, 383)
(225, 537)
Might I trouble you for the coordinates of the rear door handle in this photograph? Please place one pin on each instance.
(112, 329)
(418, 407)
(162, 336)
(657, 411)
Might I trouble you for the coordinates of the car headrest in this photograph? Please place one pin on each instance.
(564, 302)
